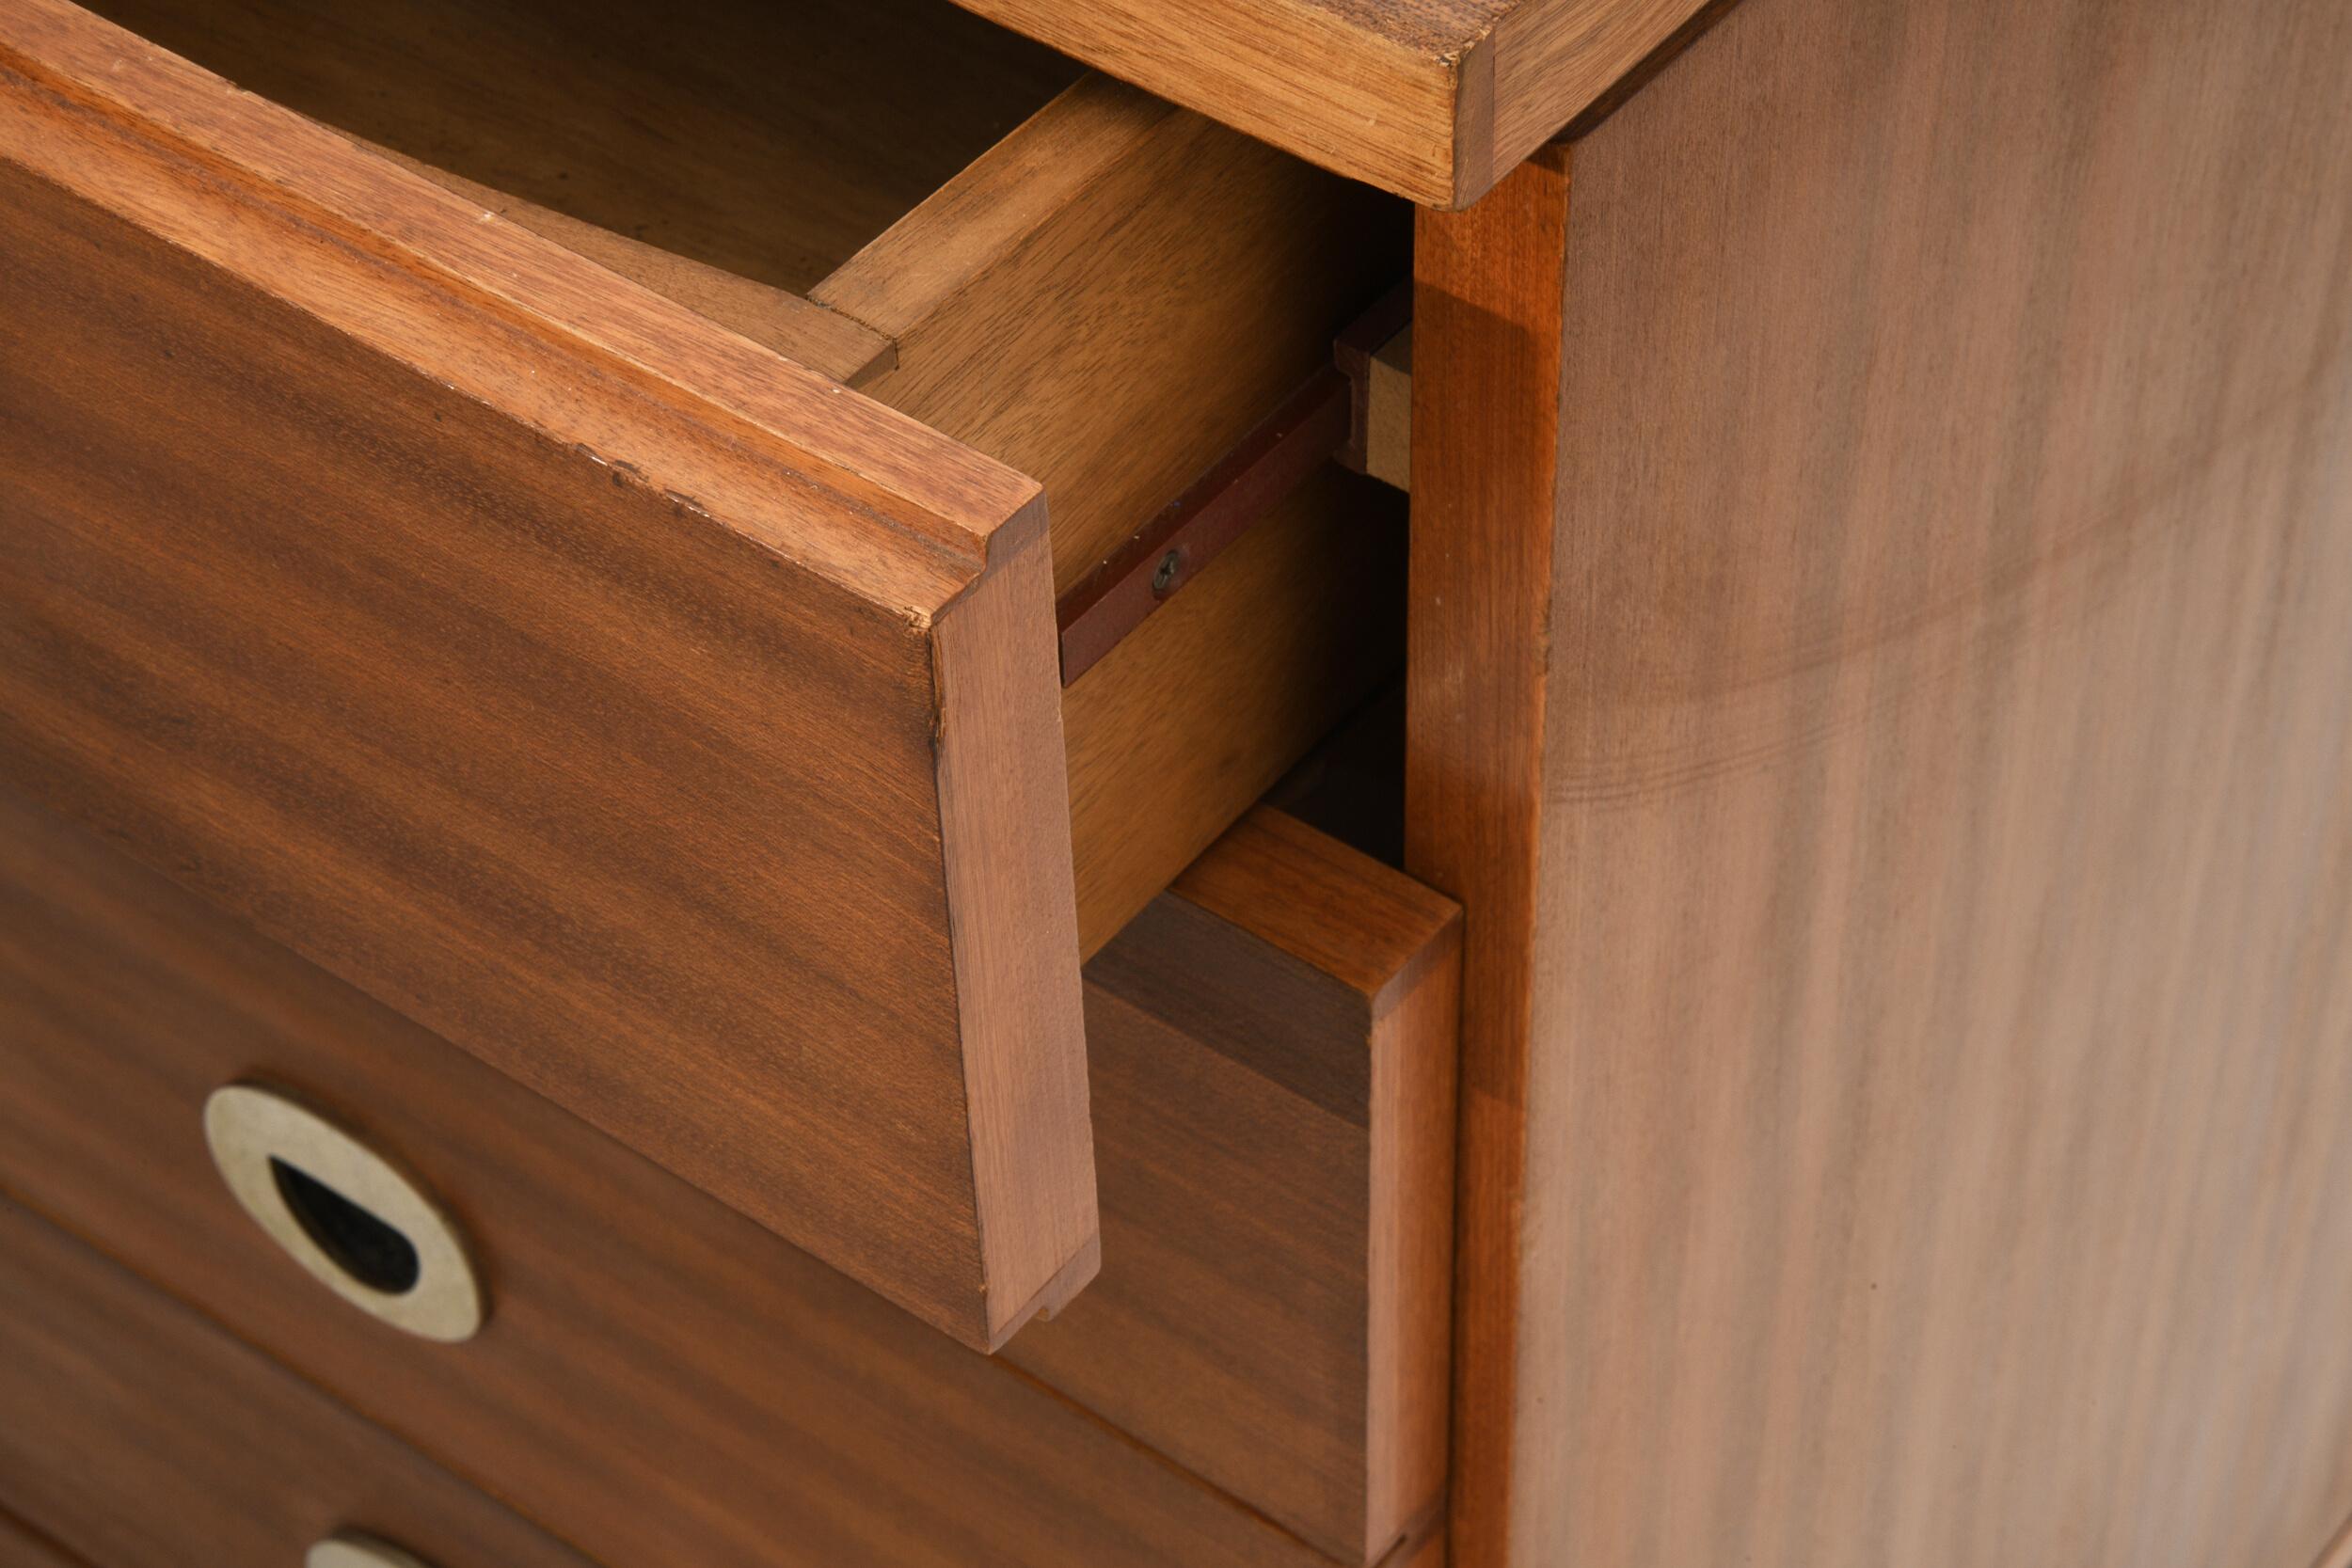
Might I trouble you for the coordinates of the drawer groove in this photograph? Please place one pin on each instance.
(139, 1435)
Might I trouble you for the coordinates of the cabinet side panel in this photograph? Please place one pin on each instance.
(1927, 1114)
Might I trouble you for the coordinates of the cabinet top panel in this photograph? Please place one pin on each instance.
(1435, 100)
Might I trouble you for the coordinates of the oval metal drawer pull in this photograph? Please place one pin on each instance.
(348, 1549)
(346, 1214)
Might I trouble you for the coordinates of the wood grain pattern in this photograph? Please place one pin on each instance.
(602, 689)
(1388, 409)
(1490, 328)
(1113, 297)
(1883, 707)
(1434, 100)
(1095, 288)
(667, 1381)
(1272, 1049)
(1015, 935)
(798, 328)
(768, 141)
(2338, 1551)
(1107, 299)
(136, 1432)
(22, 1546)
(1200, 710)
(1428, 1552)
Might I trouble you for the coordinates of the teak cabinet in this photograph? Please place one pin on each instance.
(1531, 783)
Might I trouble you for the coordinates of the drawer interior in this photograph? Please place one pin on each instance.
(774, 141)
(1103, 291)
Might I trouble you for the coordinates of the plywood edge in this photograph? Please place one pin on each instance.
(1012, 920)
(878, 503)
(918, 266)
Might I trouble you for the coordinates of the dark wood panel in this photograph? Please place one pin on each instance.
(22, 1546)
(671, 727)
(1272, 1053)
(1884, 584)
(138, 1433)
(668, 1382)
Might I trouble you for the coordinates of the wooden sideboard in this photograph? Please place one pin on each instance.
(1531, 783)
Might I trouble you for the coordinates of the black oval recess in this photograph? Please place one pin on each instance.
(362, 1245)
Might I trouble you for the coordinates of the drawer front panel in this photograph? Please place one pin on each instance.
(1272, 1047)
(672, 728)
(134, 1433)
(659, 1380)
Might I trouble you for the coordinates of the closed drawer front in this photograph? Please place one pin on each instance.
(134, 1433)
(486, 577)
(657, 1378)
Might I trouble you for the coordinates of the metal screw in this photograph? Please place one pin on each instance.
(1164, 577)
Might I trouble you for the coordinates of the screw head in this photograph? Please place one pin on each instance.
(1164, 577)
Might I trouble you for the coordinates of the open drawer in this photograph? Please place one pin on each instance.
(562, 548)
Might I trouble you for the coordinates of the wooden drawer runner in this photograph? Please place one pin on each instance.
(134, 1433)
(660, 1380)
(529, 624)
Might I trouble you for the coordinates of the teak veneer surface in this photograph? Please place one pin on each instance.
(1271, 1047)
(659, 719)
(1434, 100)
(661, 1380)
(1883, 610)
(1215, 695)
(1113, 298)
(2339, 1550)
(22, 1546)
(1108, 297)
(135, 1433)
(1082, 281)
